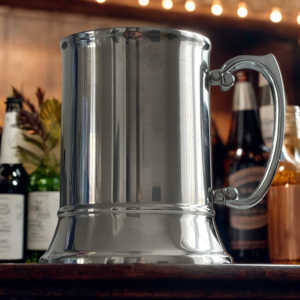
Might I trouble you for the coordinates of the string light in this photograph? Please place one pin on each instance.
(275, 15)
(100, 1)
(190, 5)
(242, 10)
(167, 4)
(298, 18)
(144, 2)
(217, 8)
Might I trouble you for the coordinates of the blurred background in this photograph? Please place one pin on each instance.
(30, 32)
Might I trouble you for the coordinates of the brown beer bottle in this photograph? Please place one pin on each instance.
(283, 196)
(245, 165)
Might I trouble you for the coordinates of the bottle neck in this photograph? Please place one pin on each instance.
(291, 143)
(291, 149)
(13, 106)
(10, 139)
(266, 95)
(245, 130)
(244, 97)
(264, 91)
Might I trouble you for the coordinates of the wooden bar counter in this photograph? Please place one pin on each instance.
(131, 281)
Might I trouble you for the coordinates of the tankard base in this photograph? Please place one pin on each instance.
(136, 237)
(67, 258)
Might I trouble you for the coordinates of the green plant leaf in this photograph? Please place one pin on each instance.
(33, 141)
(54, 163)
(27, 128)
(52, 142)
(51, 111)
(42, 130)
(28, 156)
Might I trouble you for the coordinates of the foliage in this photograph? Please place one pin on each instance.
(41, 128)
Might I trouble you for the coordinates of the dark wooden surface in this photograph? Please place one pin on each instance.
(133, 281)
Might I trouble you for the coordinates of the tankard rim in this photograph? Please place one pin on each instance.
(90, 35)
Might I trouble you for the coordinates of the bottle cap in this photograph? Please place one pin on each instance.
(13, 104)
(13, 100)
(244, 75)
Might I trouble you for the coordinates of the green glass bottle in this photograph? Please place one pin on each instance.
(43, 204)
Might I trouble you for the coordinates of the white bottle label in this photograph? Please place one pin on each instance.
(10, 139)
(42, 219)
(267, 123)
(11, 226)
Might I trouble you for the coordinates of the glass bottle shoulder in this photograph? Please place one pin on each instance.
(245, 132)
(238, 158)
(13, 178)
(288, 171)
(44, 179)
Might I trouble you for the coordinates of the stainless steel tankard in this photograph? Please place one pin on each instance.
(136, 181)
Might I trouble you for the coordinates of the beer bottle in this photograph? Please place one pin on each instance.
(245, 165)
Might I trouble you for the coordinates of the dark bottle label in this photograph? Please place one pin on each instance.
(248, 227)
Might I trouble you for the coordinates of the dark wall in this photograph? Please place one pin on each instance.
(229, 36)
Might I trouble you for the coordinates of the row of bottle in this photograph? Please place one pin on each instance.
(269, 228)
(28, 205)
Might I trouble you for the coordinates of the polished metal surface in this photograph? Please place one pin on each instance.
(268, 67)
(135, 124)
(221, 196)
(136, 237)
(136, 150)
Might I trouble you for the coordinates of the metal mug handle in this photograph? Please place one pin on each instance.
(268, 67)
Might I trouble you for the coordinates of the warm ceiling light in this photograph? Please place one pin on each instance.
(298, 19)
(100, 1)
(144, 2)
(167, 4)
(275, 15)
(242, 10)
(217, 8)
(190, 5)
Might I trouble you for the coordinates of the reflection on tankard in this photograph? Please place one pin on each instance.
(136, 151)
